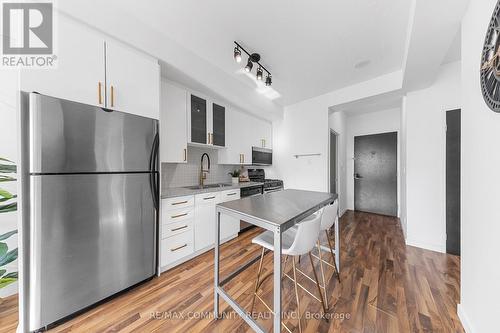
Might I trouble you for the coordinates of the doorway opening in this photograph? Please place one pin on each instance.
(453, 139)
(334, 179)
(376, 173)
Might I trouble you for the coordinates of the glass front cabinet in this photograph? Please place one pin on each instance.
(207, 122)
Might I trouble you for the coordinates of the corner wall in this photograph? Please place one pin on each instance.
(425, 158)
(336, 122)
(480, 272)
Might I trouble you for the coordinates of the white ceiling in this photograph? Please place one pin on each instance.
(311, 47)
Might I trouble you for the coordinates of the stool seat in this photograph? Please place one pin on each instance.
(266, 240)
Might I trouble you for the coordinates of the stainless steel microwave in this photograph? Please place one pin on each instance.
(262, 156)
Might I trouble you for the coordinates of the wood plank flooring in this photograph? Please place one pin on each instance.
(386, 287)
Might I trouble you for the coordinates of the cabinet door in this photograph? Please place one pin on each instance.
(204, 220)
(173, 124)
(80, 66)
(132, 81)
(229, 226)
(198, 120)
(219, 125)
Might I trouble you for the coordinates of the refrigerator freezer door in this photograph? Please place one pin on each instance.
(91, 236)
(70, 137)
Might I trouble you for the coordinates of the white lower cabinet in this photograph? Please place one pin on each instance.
(229, 226)
(188, 226)
(204, 222)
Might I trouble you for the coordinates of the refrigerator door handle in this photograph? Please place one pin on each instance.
(153, 177)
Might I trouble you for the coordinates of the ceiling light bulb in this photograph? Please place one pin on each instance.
(249, 66)
(259, 73)
(237, 54)
(269, 80)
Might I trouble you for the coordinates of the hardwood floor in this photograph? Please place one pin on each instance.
(386, 287)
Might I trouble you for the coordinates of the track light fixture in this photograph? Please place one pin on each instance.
(249, 66)
(252, 58)
(237, 54)
(259, 73)
(269, 80)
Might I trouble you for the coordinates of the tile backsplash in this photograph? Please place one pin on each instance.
(188, 174)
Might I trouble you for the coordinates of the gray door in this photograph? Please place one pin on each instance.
(91, 235)
(453, 134)
(375, 173)
(333, 163)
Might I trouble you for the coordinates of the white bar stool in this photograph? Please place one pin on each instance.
(296, 242)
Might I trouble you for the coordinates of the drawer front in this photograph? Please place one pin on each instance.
(207, 198)
(177, 203)
(173, 216)
(176, 228)
(176, 247)
(230, 195)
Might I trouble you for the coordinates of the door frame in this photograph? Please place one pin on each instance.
(384, 131)
(337, 135)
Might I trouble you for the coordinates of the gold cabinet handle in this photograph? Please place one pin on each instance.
(178, 248)
(212, 138)
(179, 203)
(208, 140)
(99, 92)
(112, 96)
(208, 198)
(177, 216)
(243, 155)
(231, 194)
(179, 228)
(185, 154)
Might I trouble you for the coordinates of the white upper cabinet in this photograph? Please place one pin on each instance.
(206, 121)
(96, 70)
(244, 132)
(173, 123)
(80, 67)
(132, 81)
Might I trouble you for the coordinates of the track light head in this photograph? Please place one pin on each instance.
(269, 80)
(237, 54)
(249, 66)
(259, 73)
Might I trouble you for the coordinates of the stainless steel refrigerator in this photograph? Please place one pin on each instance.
(93, 205)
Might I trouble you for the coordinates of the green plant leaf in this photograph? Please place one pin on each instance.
(4, 282)
(8, 257)
(12, 275)
(12, 207)
(3, 249)
(7, 199)
(2, 272)
(6, 194)
(6, 168)
(5, 160)
(7, 235)
(4, 178)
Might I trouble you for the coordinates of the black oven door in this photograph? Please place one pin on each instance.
(262, 156)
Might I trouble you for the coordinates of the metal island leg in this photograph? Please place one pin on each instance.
(216, 265)
(277, 281)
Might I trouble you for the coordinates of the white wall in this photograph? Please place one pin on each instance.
(425, 158)
(480, 272)
(336, 122)
(402, 171)
(305, 129)
(366, 124)
(8, 149)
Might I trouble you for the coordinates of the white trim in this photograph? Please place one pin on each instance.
(464, 319)
(424, 245)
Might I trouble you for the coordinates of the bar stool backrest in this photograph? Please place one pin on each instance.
(330, 216)
(306, 236)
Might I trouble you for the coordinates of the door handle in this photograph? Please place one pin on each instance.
(99, 92)
(357, 176)
(112, 96)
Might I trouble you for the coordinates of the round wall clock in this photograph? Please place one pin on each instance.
(490, 63)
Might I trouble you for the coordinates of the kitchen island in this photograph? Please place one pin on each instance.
(276, 212)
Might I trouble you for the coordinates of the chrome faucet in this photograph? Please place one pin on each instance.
(203, 173)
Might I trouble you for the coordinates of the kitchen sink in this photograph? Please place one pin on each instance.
(198, 187)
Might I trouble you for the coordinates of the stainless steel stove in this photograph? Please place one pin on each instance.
(270, 185)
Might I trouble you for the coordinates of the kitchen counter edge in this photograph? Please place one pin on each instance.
(174, 192)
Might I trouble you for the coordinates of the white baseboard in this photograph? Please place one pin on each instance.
(424, 245)
(464, 319)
